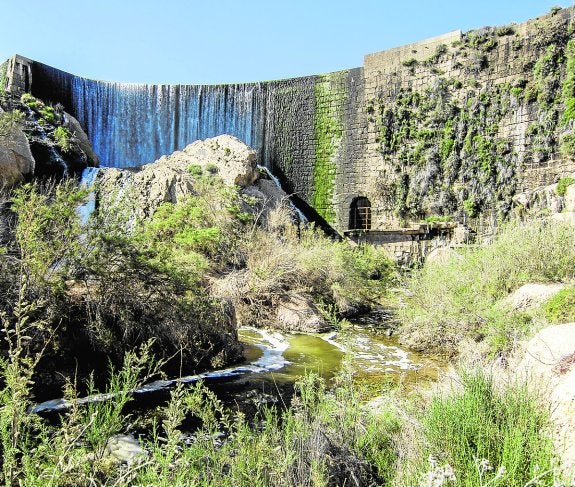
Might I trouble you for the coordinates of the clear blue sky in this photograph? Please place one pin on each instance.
(217, 41)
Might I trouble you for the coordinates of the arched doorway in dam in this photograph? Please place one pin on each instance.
(360, 214)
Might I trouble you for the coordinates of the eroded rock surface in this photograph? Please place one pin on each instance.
(16, 161)
(172, 177)
(549, 367)
(299, 313)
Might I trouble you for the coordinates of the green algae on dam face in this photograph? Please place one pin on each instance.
(329, 93)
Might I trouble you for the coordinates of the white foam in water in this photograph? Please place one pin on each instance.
(366, 355)
(330, 338)
(370, 356)
(88, 176)
(273, 345)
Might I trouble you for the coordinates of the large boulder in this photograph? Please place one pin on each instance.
(149, 186)
(298, 313)
(236, 162)
(531, 296)
(172, 177)
(16, 161)
(549, 367)
(81, 139)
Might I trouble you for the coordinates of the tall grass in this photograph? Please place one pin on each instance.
(323, 439)
(458, 300)
(489, 435)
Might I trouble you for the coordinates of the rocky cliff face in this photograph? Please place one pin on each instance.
(37, 139)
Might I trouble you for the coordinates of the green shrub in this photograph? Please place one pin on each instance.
(490, 436)
(212, 168)
(567, 146)
(561, 307)
(459, 300)
(324, 438)
(505, 30)
(517, 92)
(471, 207)
(9, 121)
(63, 138)
(195, 170)
(114, 287)
(409, 62)
(438, 219)
(48, 114)
(563, 184)
(30, 100)
(555, 9)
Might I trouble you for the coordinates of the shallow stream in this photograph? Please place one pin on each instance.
(369, 355)
(274, 361)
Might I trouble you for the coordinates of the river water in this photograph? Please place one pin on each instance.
(271, 357)
(371, 356)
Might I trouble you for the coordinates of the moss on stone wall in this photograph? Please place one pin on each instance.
(450, 146)
(328, 134)
(568, 88)
(446, 150)
(3, 76)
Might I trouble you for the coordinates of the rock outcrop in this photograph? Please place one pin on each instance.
(81, 140)
(41, 141)
(547, 199)
(549, 367)
(236, 162)
(172, 177)
(299, 313)
(531, 296)
(16, 161)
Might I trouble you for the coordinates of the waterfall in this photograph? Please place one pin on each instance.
(276, 181)
(133, 124)
(88, 177)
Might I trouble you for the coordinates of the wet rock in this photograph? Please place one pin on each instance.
(81, 139)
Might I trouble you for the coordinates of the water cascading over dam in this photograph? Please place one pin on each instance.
(299, 127)
(132, 124)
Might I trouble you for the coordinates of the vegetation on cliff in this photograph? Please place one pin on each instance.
(449, 145)
(53, 144)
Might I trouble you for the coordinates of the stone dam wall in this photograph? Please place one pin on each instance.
(454, 126)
